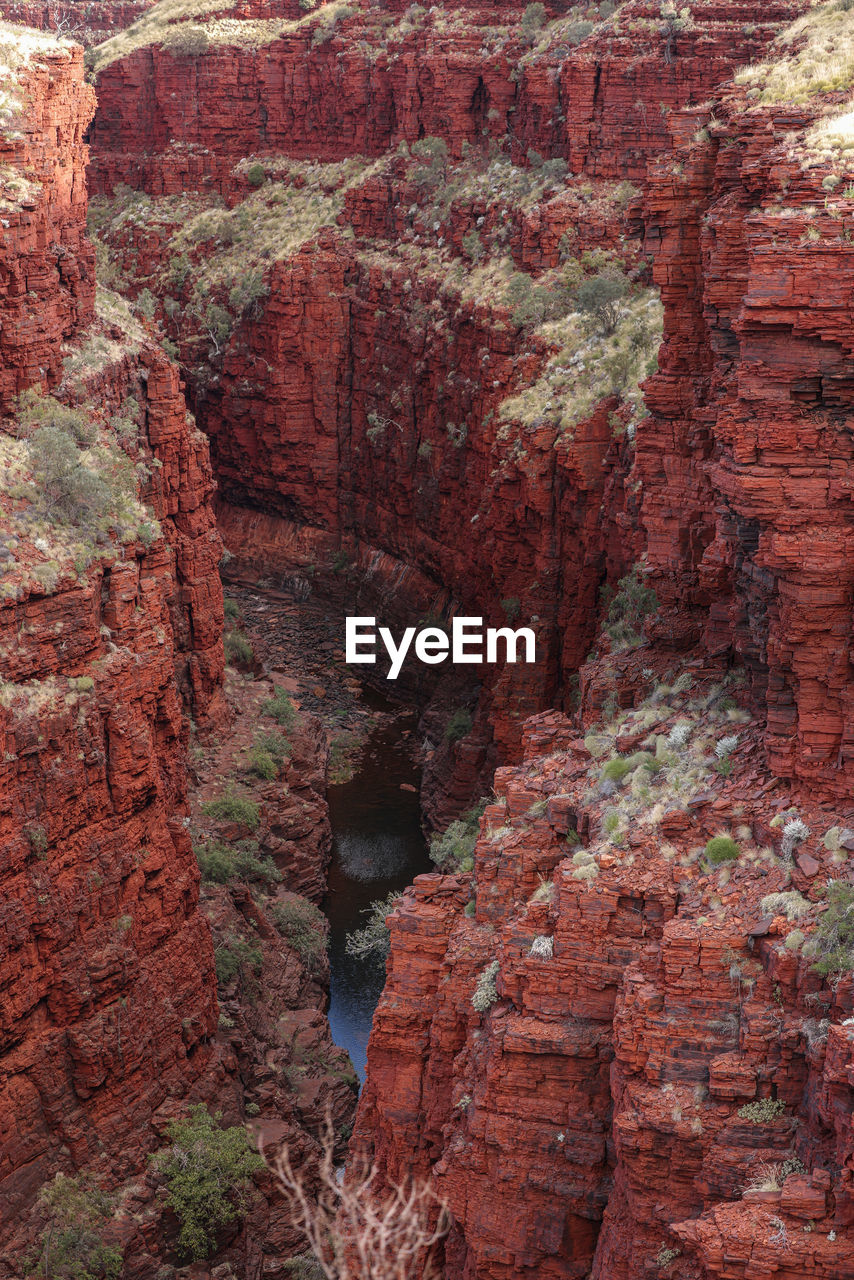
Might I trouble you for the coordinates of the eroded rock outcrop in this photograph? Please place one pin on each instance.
(745, 461)
(47, 268)
(620, 1038)
(111, 654)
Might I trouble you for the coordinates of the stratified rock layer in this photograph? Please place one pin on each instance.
(107, 967)
(585, 1118)
(746, 459)
(47, 265)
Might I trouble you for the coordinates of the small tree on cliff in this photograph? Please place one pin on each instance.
(360, 1228)
(601, 298)
(673, 22)
(208, 1172)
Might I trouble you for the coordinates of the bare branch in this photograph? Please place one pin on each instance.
(358, 1229)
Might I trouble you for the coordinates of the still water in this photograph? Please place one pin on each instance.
(377, 846)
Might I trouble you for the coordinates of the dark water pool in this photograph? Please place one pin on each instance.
(377, 846)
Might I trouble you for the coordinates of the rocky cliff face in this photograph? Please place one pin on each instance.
(635, 1040)
(107, 968)
(111, 653)
(608, 1057)
(744, 463)
(616, 1020)
(385, 393)
(78, 20)
(47, 276)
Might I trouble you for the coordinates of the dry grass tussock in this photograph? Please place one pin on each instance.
(815, 55)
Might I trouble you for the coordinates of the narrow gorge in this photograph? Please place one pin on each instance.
(536, 314)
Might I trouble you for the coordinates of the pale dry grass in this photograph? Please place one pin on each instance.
(164, 22)
(19, 48)
(815, 56)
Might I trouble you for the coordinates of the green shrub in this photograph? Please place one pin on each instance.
(229, 958)
(833, 939)
(69, 489)
(234, 808)
(37, 837)
(187, 41)
(722, 849)
(343, 755)
(208, 1172)
(532, 21)
(231, 608)
(280, 708)
(373, 938)
(35, 410)
(262, 764)
(434, 152)
(473, 246)
(615, 770)
(600, 297)
(453, 850)
(238, 649)
(763, 1111)
(248, 292)
(632, 603)
(303, 926)
(256, 175)
(577, 31)
(459, 725)
(72, 1244)
(220, 862)
(275, 744)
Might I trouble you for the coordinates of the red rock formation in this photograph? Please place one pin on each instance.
(587, 1123)
(107, 972)
(78, 20)
(602, 104)
(743, 461)
(106, 966)
(47, 266)
(346, 325)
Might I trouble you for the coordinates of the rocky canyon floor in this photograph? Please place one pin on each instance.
(535, 313)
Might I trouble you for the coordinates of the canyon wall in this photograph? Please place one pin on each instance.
(361, 396)
(604, 1047)
(111, 662)
(745, 462)
(47, 276)
(103, 950)
(629, 1063)
(653, 1078)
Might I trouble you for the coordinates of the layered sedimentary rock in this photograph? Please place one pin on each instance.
(337, 85)
(111, 625)
(572, 1053)
(659, 1081)
(104, 954)
(47, 268)
(107, 970)
(745, 462)
(79, 20)
(349, 399)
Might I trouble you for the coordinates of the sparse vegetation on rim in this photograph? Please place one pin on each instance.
(816, 56)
